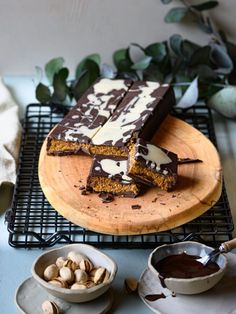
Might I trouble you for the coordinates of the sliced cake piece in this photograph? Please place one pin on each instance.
(87, 117)
(108, 174)
(140, 113)
(152, 165)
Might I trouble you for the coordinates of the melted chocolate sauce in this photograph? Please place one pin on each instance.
(184, 266)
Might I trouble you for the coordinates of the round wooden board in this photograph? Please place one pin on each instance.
(198, 188)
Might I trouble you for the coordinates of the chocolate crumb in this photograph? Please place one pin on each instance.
(75, 186)
(84, 192)
(59, 170)
(89, 189)
(154, 200)
(173, 196)
(163, 203)
(136, 206)
(82, 187)
(106, 197)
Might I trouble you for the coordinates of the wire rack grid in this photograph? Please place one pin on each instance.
(32, 222)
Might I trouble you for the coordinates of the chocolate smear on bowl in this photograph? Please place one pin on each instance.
(154, 297)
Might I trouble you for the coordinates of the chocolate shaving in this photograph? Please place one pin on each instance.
(84, 192)
(188, 161)
(82, 187)
(106, 197)
(154, 200)
(136, 206)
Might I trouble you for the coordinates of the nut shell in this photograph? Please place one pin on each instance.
(67, 274)
(59, 282)
(99, 275)
(50, 272)
(86, 265)
(60, 262)
(78, 286)
(131, 285)
(50, 307)
(75, 257)
(80, 276)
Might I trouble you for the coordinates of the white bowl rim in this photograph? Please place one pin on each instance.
(186, 280)
(75, 291)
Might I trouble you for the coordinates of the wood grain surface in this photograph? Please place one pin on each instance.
(198, 188)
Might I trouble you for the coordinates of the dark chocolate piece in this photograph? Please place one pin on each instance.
(152, 165)
(108, 174)
(86, 118)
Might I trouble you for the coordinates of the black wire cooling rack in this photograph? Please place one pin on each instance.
(32, 222)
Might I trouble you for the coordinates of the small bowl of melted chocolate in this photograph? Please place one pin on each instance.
(177, 268)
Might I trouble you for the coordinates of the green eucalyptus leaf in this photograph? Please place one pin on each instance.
(188, 48)
(205, 5)
(60, 86)
(175, 15)
(224, 102)
(52, 67)
(157, 51)
(136, 53)
(38, 74)
(176, 44)
(201, 56)
(142, 64)
(42, 93)
(221, 59)
(153, 73)
(90, 73)
(190, 97)
(107, 71)
(119, 56)
(81, 67)
(204, 72)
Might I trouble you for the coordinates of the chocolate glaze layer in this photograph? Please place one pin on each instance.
(139, 114)
(91, 112)
(156, 158)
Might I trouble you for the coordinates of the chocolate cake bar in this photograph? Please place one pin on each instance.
(139, 114)
(108, 174)
(152, 165)
(87, 117)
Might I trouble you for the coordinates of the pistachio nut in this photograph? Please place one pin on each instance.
(70, 264)
(99, 275)
(50, 307)
(59, 282)
(80, 276)
(50, 272)
(86, 265)
(60, 261)
(66, 274)
(78, 286)
(75, 257)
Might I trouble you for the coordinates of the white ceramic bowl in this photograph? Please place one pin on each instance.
(97, 258)
(192, 285)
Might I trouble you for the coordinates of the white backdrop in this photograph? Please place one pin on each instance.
(32, 31)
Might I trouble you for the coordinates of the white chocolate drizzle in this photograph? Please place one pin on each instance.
(120, 127)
